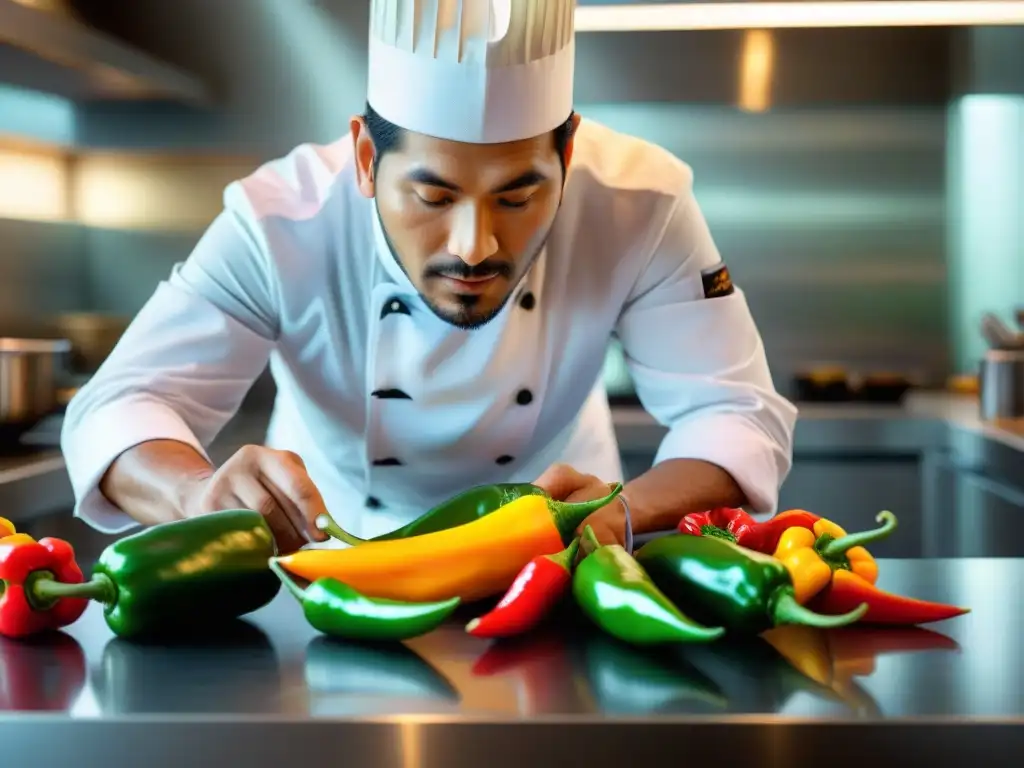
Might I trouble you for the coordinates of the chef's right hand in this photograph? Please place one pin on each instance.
(274, 483)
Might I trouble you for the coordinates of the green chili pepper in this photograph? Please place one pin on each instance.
(334, 608)
(464, 508)
(183, 576)
(613, 590)
(717, 581)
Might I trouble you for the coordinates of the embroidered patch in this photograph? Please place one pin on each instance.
(717, 282)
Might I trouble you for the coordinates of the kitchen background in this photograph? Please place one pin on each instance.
(866, 186)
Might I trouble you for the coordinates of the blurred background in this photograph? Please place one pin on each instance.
(865, 185)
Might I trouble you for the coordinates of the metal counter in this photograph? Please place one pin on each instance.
(274, 692)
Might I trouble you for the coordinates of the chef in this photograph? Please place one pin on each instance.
(435, 294)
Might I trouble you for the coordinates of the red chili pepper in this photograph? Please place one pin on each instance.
(539, 585)
(25, 570)
(737, 526)
(847, 590)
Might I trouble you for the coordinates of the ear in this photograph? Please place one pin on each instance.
(572, 140)
(364, 155)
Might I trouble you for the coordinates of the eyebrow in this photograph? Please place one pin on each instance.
(425, 176)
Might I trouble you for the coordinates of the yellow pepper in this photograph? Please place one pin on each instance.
(6, 527)
(812, 555)
(17, 538)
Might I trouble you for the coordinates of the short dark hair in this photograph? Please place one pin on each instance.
(386, 136)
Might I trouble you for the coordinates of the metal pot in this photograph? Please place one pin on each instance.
(29, 379)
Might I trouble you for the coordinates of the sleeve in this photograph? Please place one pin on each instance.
(698, 363)
(183, 366)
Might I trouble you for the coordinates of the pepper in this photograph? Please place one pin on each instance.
(464, 508)
(848, 588)
(719, 582)
(7, 527)
(812, 555)
(46, 674)
(472, 561)
(337, 610)
(27, 607)
(532, 595)
(613, 590)
(181, 576)
(736, 525)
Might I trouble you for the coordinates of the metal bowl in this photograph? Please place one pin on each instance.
(30, 372)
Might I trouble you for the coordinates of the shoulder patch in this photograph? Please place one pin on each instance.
(717, 282)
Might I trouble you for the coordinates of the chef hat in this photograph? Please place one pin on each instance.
(480, 71)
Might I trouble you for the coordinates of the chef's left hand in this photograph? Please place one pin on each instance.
(564, 483)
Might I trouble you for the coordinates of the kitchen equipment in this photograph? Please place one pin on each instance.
(93, 336)
(999, 335)
(1002, 384)
(829, 384)
(884, 387)
(30, 373)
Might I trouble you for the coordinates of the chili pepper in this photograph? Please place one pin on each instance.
(45, 674)
(472, 561)
(737, 526)
(338, 610)
(533, 593)
(613, 590)
(464, 508)
(181, 576)
(848, 588)
(7, 527)
(26, 570)
(812, 555)
(721, 583)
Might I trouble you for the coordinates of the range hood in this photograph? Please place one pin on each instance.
(45, 47)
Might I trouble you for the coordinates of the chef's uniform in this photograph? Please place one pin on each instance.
(392, 409)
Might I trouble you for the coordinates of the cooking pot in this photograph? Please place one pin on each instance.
(30, 372)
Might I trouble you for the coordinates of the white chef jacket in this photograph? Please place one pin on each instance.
(392, 409)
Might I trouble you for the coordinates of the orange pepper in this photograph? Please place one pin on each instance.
(17, 538)
(7, 527)
(471, 561)
(812, 555)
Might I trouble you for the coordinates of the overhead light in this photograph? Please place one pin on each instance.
(757, 15)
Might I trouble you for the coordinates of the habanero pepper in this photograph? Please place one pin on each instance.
(813, 555)
(472, 561)
(28, 573)
(181, 576)
(541, 583)
(721, 583)
(464, 508)
(739, 527)
(612, 589)
(337, 610)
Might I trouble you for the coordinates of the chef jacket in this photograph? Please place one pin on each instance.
(392, 409)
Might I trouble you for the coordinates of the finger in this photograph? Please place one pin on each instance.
(560, 481)
(294, 491)
(253, 495)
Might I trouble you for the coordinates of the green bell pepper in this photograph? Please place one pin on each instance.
(717, 581)
(337, 610)
(181, 577)
(613, 590)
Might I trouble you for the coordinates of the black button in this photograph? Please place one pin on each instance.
(373, 502)
(390, 394)
(394, 306)
(504, 460)
(524, 397)
(390, 461)
(528, 302)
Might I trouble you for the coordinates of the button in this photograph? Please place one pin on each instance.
(528, 301)
(390, 394)
(524, 397)
(394, 306)
(503, 460)
(390, 461)
(373, 502)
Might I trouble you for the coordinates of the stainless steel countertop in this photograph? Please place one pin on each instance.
(277, 693)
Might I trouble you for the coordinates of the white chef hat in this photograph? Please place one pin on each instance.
(479, 71)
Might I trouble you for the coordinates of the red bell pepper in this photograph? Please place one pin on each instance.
(737, 526)
(26, 568)
(539, 585)
(847, 590)
(47, 675)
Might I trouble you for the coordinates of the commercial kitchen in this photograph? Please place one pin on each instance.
(865, 183)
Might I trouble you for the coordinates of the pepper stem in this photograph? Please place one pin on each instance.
(567, 516)
(567, 556)
(327, 524)
(46, 590)
(838, 547)
(589, 541)
(298, 592)
(786, 610)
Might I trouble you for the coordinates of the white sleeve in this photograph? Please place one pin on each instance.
(183, 366)
(698, 363)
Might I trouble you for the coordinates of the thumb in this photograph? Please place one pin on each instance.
(560, 481)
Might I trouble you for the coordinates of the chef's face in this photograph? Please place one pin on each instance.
(465, 221)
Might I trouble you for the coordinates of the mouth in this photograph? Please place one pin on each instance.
(470, 285)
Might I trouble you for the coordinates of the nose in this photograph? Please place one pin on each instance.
(472, 236)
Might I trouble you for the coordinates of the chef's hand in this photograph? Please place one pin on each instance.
(274, 483)
(564, 483)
